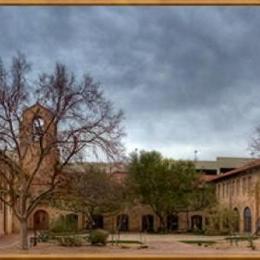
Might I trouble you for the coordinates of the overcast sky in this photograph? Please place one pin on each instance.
(187, 78)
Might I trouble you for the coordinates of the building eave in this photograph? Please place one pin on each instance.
(245, 169)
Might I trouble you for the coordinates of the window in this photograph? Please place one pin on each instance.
(72, 220)
(196, 222)
(224, 170)
(172, 223)
(207, 171)
(41, 220)
(122, 222)
(247, 220)
(98, 221)
(236, 220)
(147, 223)
(37, 129)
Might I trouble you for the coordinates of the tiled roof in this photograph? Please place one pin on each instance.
(248, 166)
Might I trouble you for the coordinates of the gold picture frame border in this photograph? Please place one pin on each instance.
(125, 257)
(126, 3)
(131, 2)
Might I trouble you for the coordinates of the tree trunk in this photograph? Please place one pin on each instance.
(24, 234)
(188, 221)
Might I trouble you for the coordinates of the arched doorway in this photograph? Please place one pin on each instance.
(40, 220)
(196, 222)
(98, 221)
(122, 222)
(237, 220)
(247, 220)
(172, 222)
(147, 223)
(72, 220)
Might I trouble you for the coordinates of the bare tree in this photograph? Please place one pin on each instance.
(93, 191)
(254, 144)
(69, 118)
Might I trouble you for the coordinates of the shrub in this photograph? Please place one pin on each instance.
(98, 236)
(43, 236)
(251, 243)
(69, 241)
(221, 221)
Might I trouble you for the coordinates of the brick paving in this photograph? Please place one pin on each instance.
(157, 245)
(8, 241)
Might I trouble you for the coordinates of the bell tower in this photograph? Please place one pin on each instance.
(38, 135)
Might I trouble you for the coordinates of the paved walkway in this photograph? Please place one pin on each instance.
(9, 241)
(166, 237)
(157, 245)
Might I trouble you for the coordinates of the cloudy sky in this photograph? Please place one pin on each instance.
(187, 78)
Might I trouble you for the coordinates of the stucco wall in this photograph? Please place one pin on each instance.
(240, 192)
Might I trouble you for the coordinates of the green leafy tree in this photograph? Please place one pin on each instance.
(203, 196)
(161, 183)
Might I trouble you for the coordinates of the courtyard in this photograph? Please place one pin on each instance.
(152, 244)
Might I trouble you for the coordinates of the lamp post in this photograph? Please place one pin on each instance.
(195, 155)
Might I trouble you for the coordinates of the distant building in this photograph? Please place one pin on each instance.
(239, 190)
(220, 165)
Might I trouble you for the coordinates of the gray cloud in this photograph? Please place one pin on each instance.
(186, 77)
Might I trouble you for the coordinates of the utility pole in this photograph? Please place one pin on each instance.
(195, 155)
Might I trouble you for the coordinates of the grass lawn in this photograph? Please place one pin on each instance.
(125, 241)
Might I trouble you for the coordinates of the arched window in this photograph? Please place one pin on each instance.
(172, 222)
(72, 220)
(196, 222)
(122, 222)
(40, 220)
(247, 220)
(37, 128)
(236, 220)
(147, 223)
(98, 221)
